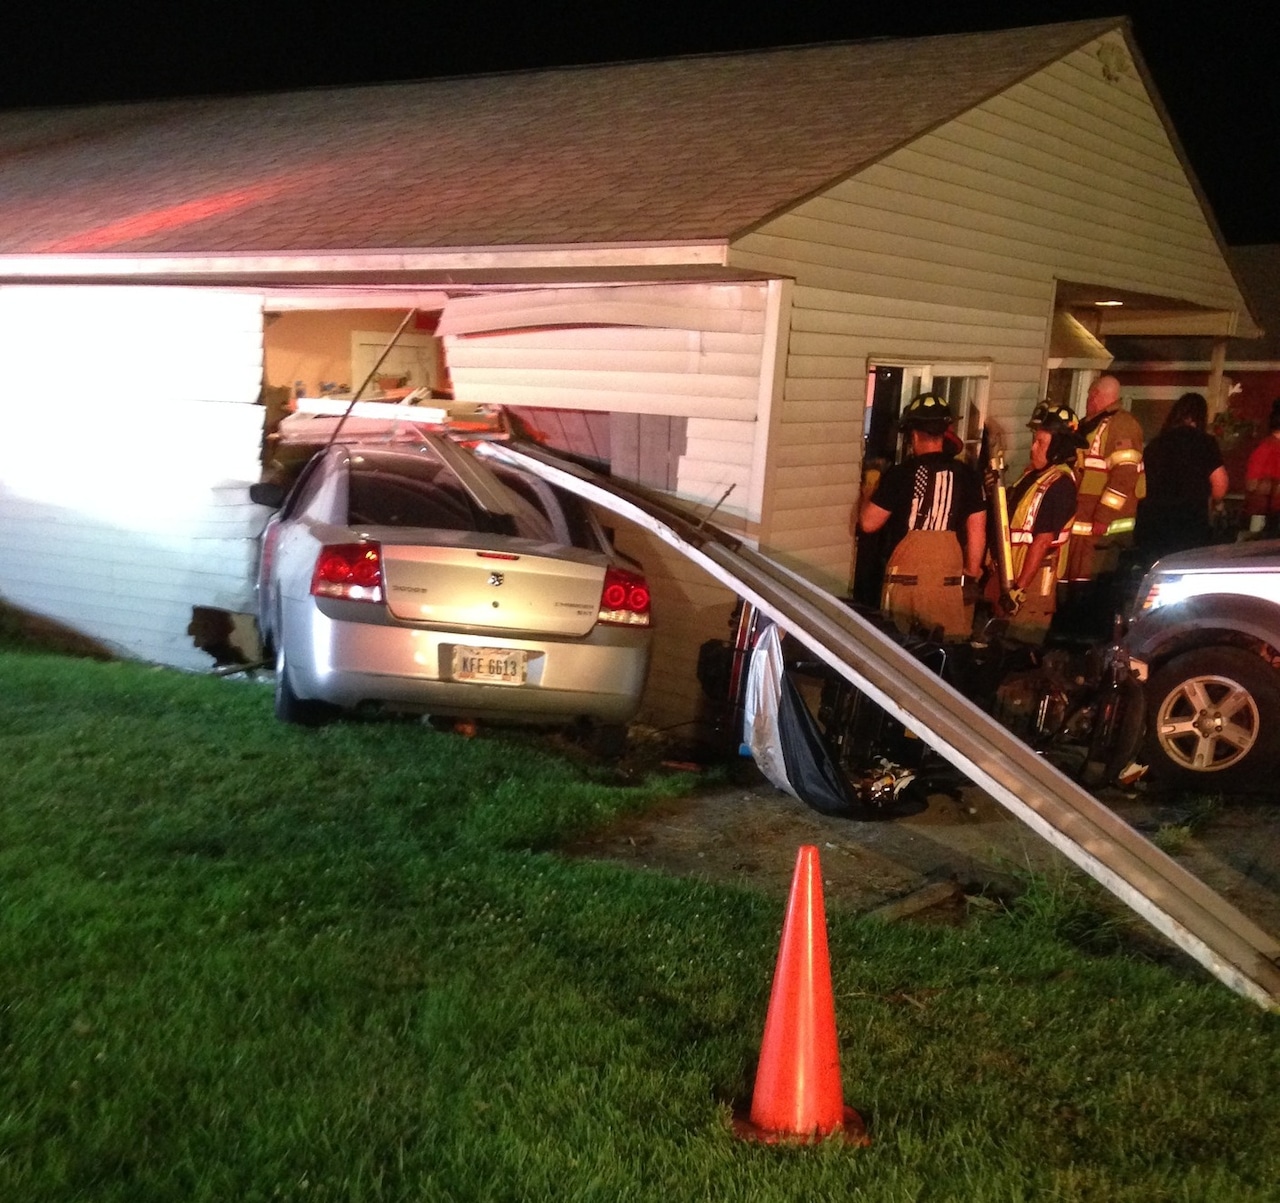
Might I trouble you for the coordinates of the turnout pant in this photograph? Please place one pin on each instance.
(923, 585)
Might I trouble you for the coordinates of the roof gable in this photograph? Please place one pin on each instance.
(699, 148)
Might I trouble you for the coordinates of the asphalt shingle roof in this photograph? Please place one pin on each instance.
(681, 149)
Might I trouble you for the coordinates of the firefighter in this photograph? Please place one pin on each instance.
(933, 512)
(1042, 507)
(1109, 485)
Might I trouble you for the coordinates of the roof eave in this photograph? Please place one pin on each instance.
(249, 265)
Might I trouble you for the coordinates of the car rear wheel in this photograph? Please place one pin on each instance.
(1212, 718)
(289, 707)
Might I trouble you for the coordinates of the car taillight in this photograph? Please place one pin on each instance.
(352, 571)
(624, 600)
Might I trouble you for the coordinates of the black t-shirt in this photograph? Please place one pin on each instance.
(928, 492)
(1057, 507)
(1178, 463)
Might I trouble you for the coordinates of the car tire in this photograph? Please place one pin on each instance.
(1213, 720)
(289, 707)
(607, 740)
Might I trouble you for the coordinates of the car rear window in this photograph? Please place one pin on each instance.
(383, 498)
(419, 491)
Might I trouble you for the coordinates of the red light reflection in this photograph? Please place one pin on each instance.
(170, 217)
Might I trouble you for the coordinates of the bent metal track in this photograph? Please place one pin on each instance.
(1175, 902)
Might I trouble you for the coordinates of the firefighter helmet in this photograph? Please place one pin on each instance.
(1056, 419)
(928, 411)
(1065, 439)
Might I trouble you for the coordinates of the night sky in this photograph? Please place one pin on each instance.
(1216, 70)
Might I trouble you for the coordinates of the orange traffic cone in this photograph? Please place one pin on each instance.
(797, 1094)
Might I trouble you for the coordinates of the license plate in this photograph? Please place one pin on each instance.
(490, 665)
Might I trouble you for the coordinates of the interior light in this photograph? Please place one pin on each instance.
(1108, 304)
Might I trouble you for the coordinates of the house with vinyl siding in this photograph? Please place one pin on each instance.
(718, 275)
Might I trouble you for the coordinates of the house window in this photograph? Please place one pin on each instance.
(1070, 387)
(891, 385)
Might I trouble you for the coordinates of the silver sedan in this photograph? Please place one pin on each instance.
(418, 579)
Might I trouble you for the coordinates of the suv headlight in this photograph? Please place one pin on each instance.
(1158, 591)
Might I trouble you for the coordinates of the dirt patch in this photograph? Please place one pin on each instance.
(747, 834)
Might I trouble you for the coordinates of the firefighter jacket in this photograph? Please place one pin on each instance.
(1022, 531)
(1109, 478)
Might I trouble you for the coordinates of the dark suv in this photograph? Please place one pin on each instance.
(1204, 637)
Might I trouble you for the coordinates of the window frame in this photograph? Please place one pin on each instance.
(918, 376)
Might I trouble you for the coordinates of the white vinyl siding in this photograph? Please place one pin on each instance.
(950, 248)
(693, 351)
(131, 437)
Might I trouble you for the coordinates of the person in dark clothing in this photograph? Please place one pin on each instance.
(932, 509)
(1185, 478)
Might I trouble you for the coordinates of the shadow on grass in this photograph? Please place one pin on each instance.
(20, 630)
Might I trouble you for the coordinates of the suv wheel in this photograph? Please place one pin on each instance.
(1212, 717)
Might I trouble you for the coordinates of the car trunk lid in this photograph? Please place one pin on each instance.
(492, 589)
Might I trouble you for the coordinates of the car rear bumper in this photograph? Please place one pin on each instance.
(356, 664)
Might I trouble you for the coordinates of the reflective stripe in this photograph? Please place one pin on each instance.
(1126, 455)
(1082, 528)
(1113, 499)
(1121, 526)
(1094, 462)
(1023, 519)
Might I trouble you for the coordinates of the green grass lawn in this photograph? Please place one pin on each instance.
(245, 962)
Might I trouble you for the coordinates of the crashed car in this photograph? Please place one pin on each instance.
(1204, 638)
(414, 578)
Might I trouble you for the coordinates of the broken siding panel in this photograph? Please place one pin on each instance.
(582, 434)
(676, 350)
(632, 399)
(471, 380)
(645, 448)
(692, 342)
(722, 307)
(511, 352)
